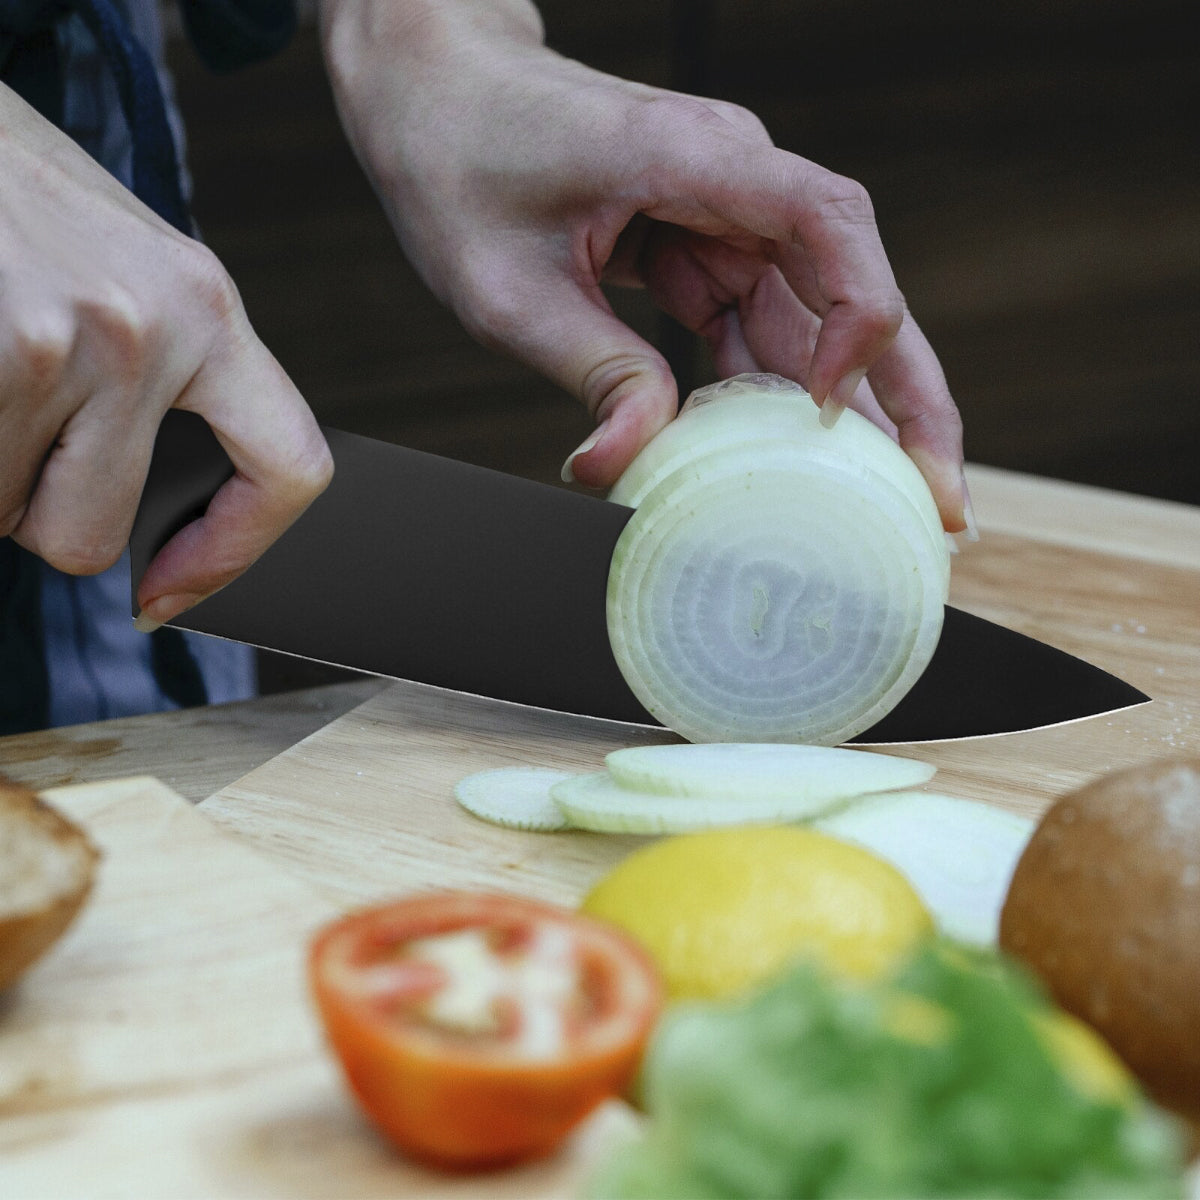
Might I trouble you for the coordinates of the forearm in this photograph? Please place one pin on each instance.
(408, 39)
(418, 85)
(386, 19)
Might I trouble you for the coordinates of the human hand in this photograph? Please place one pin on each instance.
(108, 317)
(519, 181)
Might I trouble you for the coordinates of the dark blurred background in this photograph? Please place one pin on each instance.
(1035, 169)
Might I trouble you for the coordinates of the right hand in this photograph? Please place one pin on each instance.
(109, 317)
(520, 182)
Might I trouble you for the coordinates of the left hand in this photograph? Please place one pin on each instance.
(518, 181)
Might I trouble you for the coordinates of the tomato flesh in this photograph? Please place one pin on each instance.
(478, 1029)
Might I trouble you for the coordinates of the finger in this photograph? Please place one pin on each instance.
(749, 344)
(751, 318)
(697, 279)
(35, 352)
(732, 298)
(281, 464)
(566, 330)
(79, 517)
(746, 310)
(22, 452)
(700, 280)
(905, 395)
(867, 404)
(911, 388)
(781, 335)
(824, 239)
(731, 354)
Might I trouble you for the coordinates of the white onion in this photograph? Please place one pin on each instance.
(517, 797)
(757, 771)
(681, 788)
(599, 803)
(959, 854)
(779, 581)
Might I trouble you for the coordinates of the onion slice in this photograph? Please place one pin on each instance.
(517, 797)
(959, 854)
(779, 581)
(597, 802)
(740, 770)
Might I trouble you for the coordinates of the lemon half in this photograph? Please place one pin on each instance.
(723, 910)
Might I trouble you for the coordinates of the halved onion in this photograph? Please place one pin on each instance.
(779, 581)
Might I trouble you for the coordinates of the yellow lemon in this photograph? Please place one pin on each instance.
(725, 909)
(1084, 1058)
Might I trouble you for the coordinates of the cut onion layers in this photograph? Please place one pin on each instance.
(779, 581)
(679, 789)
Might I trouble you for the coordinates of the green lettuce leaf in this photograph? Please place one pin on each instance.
(935, 1083)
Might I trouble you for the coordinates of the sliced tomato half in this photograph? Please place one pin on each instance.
(478, 1029)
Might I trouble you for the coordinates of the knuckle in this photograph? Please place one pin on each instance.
(665, 114)
(845, 201)
(611, 379)
(41, 351)
(211, 283)
(77, 555)
(301, 473)
(488, 309)
(742, 120)
(12, 510)
(126, 330)
(940, 417)
(937, 424)
(879, 317)
(313, 469)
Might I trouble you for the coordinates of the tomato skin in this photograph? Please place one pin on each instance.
(460, 1106)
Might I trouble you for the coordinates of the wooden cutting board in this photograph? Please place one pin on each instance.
(363, 807)
(166, 1048)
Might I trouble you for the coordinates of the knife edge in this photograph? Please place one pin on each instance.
(525, 620)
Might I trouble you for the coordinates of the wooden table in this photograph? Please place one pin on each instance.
(168, 1043)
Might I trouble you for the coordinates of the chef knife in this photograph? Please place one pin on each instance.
(427, 569)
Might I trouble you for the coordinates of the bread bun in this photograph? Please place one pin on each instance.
(1105, 907)
(47, 865)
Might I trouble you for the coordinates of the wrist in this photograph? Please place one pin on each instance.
(414, 32)
(401, 69)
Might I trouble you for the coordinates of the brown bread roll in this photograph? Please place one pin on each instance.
(1105, 907)
(47, 866)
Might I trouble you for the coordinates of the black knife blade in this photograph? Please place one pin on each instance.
(419, 567)
(986, 679)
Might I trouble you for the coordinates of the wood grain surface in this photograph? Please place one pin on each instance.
(194, 751)
(364, 807)
(166, 1047)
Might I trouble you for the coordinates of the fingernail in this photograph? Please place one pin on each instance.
(589, 443)
(840, 396)
(145, 624)
(972, 530)
(830, 411)
(951, 543)
(163, 609)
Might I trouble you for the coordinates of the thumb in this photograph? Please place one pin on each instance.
(281, 464)
(577, 341)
